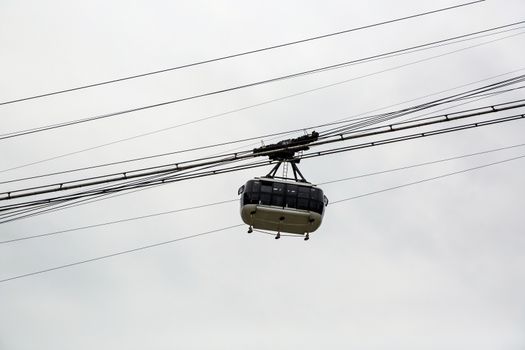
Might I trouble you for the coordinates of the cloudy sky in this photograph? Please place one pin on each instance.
(433, 266)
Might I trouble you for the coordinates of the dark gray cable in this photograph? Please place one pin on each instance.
(237, 54)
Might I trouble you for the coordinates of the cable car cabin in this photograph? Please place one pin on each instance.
(282, 206)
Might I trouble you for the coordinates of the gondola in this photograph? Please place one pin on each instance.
(281, 204)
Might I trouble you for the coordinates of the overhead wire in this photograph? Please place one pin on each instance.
(353, 147)
(214, 160)
(371, 120)
(477, 99)
(239, 54)
(199, 148)
(144, 247)
(48, 207)
(121, 253)
(428, 179)
(396, 115)
(387, 117)
(141, 217)
(358, 117)
(200, 206)
(429, 104)
(234, 157)
(261, 137)
(417, 165)
(39, 207)
(171, 179)
(249, 85)
(140, 184)
(248, 107)
(357, 126)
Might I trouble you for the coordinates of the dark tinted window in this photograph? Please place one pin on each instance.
(290, 202)
(291, 190)
(277, 200)
(283, 195)
(316, 194)
(278, 188)
(265, 198)
(302, 203)
(251, 192)
(266, 187)
(316, 206)
(304, 192)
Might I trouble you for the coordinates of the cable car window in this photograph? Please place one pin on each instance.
(251, 198)
(278, 188)
(302, 203)
(247, 197)
(277, 200)
(278, 194)
(316, 194)
(304, 192)
(290, 202)
(284, 195)
(265, 198)
(266, 187)
(291, 196)
(316, 206)
(291, 190)
(251, 192)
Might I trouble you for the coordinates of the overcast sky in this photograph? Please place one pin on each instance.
(439, 265)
